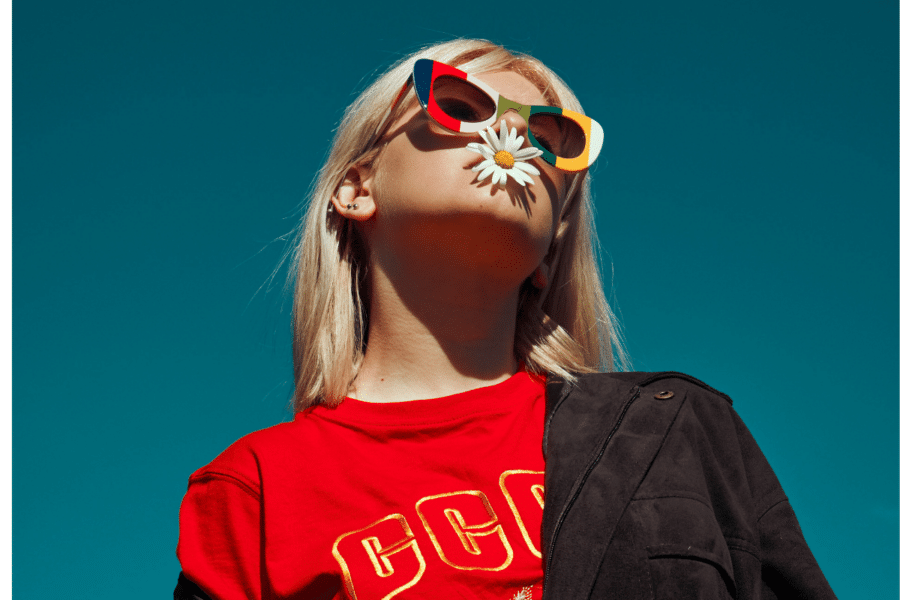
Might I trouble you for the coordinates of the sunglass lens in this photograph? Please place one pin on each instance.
(558, 134)
(461, 100)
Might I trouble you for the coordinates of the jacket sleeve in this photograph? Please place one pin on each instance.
(188, 590)
(789, 569)
(219, 538)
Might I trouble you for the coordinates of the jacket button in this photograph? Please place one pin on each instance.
(663, 395)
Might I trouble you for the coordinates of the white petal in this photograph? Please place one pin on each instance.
(518, 176)
(481, 149)
(511, 140)
(503, 177)
(525, 167)
(496, 176)
(516, 144)
(483, 165)
(504, 135)
(527, 153)
(495, 142)
(484, 136)
(524, 176)
(484, 174)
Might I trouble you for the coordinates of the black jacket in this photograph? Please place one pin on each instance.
(654, 489)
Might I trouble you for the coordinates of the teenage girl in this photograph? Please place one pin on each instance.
(461, 430)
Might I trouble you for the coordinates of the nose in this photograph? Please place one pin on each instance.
(513, 119)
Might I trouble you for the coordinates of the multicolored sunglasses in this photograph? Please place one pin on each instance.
(461, 103)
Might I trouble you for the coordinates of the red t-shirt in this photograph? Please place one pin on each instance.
(437, 498)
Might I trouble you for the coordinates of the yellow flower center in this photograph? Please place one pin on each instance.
(504, 159)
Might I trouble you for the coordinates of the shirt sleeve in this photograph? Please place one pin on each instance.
(219, 544)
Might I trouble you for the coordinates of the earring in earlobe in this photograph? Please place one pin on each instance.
(352, 206)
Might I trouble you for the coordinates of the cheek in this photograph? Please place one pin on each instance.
(408, 180)
(398, 183)
(395, 182)
(419, 157)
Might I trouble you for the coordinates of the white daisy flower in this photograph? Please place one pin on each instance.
(504, 156)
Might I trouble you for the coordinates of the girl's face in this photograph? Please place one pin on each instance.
(428, 200)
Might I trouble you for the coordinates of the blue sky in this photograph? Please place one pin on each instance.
(747, 202)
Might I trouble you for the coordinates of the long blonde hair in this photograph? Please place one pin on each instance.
(566, 329)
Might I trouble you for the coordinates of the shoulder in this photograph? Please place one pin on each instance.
(269, 452)
(671, 380)
(645, 404)
(591, 387)
(695, 413)
(687, 416)
(663, 398)
(625, 387)
(241, 462)
(700, 403)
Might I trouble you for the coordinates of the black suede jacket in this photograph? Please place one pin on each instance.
(654, 489)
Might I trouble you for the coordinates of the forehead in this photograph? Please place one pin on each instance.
(513, 86)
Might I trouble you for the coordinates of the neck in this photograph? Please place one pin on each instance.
(434, 334)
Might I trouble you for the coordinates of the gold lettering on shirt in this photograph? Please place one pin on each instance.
(382, 564)
(386, 547)
(465, 531)
(524, 492)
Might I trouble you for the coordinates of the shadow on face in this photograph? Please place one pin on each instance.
(427, 136)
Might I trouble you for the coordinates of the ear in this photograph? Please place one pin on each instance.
(539, 278)
(353, 198)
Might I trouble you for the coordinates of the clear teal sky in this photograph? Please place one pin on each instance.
(747, 194)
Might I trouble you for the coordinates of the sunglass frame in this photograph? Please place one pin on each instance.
(426, 71)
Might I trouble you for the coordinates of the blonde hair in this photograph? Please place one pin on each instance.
(566, 329)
